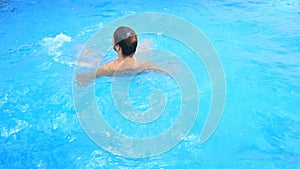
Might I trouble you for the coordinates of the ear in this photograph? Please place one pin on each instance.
(118, 48)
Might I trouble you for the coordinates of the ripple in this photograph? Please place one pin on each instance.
(107, 13)
(18, 126)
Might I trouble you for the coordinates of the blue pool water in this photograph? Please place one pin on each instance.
(258, 45)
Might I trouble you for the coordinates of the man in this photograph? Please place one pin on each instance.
(124, 42)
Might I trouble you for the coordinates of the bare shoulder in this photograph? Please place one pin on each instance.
(148, 65)
(105, 70)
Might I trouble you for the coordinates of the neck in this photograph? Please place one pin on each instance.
(122, 57)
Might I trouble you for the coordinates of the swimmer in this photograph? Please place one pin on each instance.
(124, 42)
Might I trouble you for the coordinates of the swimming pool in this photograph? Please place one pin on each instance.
(258, 45)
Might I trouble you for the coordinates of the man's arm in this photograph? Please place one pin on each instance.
(85, 79)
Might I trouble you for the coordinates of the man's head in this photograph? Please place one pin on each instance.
(125, 38)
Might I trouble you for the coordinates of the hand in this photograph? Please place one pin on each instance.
(88, 59)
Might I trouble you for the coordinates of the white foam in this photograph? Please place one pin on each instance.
(53, 44)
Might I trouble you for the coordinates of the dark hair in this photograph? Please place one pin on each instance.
(128, 45)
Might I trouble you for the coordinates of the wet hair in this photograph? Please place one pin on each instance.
(126, 38)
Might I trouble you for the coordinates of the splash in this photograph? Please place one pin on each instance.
(54, 46)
